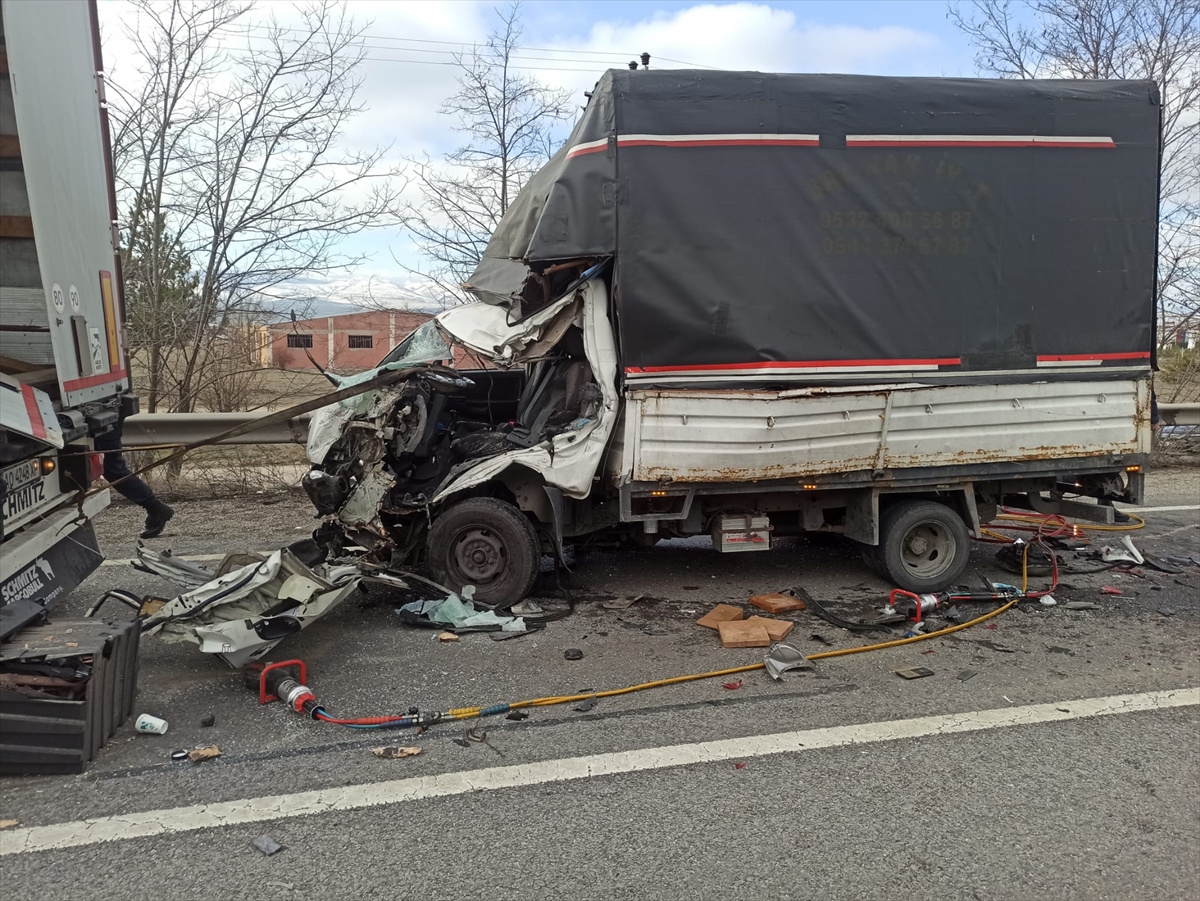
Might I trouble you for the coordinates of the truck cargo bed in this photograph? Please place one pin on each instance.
(735, 435)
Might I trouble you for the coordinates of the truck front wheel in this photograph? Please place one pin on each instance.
(487, 543)
(923, 546)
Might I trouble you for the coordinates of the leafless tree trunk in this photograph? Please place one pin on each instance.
(1128, 39)
(232, 142)
(509, 119)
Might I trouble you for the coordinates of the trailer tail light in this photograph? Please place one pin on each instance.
(47, 465)
(95, 467)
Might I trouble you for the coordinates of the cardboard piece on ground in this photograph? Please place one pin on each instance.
(778, 629)
(204, 754)
(777, 603)
(722, 613)
(743, 634)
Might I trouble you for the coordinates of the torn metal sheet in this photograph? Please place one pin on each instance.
(783, 657)
(486, 329)
(244, 611)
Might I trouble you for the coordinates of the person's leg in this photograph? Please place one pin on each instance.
(118, 474)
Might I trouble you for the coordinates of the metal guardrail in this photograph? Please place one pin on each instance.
(1179, 414)
(147, 429)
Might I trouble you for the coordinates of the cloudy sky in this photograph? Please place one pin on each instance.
(568, 43)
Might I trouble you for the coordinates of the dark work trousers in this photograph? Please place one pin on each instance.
(116, 469)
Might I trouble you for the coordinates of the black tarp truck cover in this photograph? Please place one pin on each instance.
(780, 226)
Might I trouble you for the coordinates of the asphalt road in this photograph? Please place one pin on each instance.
(844, 782)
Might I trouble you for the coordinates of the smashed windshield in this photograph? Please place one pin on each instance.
(424, 345)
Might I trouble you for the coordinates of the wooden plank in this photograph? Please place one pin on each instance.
(719, 614)
(743, 634)
(16, 227)
(776, 603)
(778, 629)
(10, 147)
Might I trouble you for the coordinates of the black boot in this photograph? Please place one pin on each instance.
(157, 516)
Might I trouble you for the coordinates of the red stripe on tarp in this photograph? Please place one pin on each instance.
(724, 142)
(36, 426)
(1068, 358)
(91, 381)
(936, 143)
(584, 151)
(803, 364)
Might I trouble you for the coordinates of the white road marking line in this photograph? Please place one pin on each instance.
(1141, 510)
(358, 797)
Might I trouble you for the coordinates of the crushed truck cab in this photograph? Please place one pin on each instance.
(859, 321)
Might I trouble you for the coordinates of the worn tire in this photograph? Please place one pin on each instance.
(924, 546)
(487, 543)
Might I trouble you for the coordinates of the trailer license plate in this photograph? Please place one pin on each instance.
(26, 489)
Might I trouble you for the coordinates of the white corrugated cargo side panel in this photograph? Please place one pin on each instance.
(56, 101)
(737, 436)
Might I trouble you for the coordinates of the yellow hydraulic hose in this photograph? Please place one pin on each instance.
(463, 713)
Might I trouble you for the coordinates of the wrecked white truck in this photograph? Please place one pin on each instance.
(754, 306)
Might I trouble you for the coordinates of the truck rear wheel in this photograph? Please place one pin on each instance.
(487, 543)
(923, 546)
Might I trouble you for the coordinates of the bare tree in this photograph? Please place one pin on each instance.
(1127, 39)
(509, 120)
(234, 146)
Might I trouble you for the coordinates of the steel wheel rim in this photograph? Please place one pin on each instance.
(479, 556)
(928, 549)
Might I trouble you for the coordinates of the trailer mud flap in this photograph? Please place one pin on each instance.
(57, 572)
(862, 516)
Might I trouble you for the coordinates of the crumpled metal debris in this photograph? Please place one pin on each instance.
(252, 602)
(1126, 553)
(783, 657)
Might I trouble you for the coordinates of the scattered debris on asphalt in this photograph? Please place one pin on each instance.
(208, 720)
(739, 766)
(572, 654)
(6, 824)
(1080, 605)
(967, 674)
(820, 639)
(201, 754)
(395, 753)
(150, 725)
(268, 845)
(585, 705)
(526, 608)
(517, 715)
(477, 735)
(447, 636)
(181, 754)
(1107, 589)
(621, 603)
(918, 672)
(733, 686)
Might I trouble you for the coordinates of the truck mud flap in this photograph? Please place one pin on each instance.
(49, 577)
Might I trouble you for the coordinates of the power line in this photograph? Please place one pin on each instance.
(464, 45)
